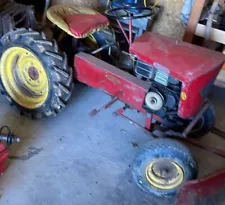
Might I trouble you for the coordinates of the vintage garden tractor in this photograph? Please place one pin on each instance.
(165, 79)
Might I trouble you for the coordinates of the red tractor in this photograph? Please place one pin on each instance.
(165, 79)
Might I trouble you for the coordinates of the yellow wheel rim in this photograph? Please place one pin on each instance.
(91, 42)
(164, 174)
(24, 77)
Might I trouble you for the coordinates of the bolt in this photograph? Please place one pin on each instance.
(17, 139)
(164, 172)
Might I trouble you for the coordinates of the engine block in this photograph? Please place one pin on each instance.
(164, 94)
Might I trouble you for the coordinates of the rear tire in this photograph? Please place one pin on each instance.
(59, 76)
(174, 157)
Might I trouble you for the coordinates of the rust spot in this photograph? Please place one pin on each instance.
(113, 79)
(137, 99)
(130, 87)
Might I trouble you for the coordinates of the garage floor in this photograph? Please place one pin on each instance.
(75, 159)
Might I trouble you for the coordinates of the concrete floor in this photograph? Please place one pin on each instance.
(84, 160)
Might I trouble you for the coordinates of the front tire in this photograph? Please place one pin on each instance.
(163, 166)
(35, 78)
(206, 122)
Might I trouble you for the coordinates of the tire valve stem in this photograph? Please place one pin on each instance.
(140, 182)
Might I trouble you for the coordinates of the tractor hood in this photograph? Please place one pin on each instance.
(194, 66)
(181, 60)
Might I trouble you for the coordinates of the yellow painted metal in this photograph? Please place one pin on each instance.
(57, 13)
(92, 43)
(61, 36)
(89, 41)
(183, 96)
(93, 40)
(159, 181)
(16, 67)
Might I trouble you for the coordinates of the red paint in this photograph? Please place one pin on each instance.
(202, 191)
(3, 159)
(81, 24)
(193, 90)
(99, 74)
(123, 31)
(194, 66)
(148, 121)
(120, 112)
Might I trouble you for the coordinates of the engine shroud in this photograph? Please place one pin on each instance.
(163, 85)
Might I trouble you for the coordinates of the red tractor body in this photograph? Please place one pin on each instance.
(108, 78)
(181, 73)
(195, 67)
(165, 79)
(3, 158)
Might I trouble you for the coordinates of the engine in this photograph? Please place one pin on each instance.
(164, 94)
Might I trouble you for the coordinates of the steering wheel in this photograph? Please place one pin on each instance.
(128, 13)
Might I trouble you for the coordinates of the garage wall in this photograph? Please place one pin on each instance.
(96, 4)
(168, 22)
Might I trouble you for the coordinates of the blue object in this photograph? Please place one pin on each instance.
(186, 11)
(128, 3)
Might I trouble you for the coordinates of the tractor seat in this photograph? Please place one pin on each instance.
(77, 21)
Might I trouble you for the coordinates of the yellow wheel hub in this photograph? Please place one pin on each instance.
(92, 43)
(24, 77)
(164, 174)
